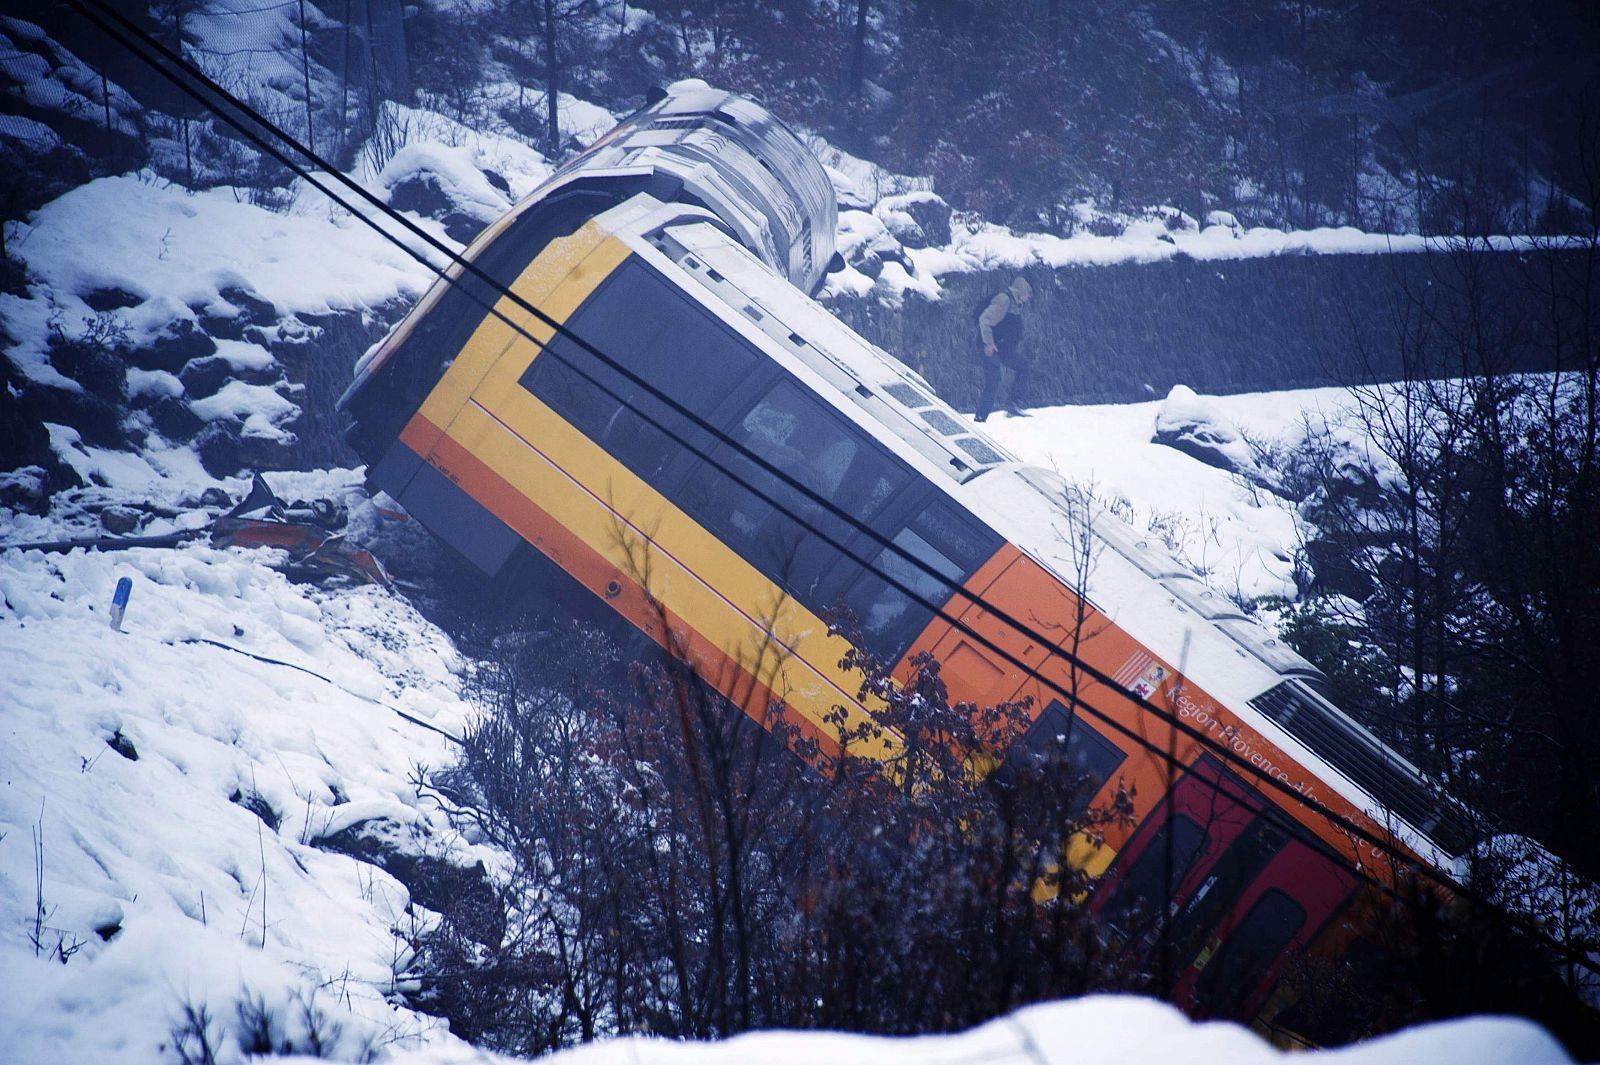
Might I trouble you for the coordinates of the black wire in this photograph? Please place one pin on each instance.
(1333, 818)
(452, 737)
(1227, 754)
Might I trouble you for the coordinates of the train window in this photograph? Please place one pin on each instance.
(1232, 874)
(1234, 971)
(946, 542)
(966, 542)
(634, 433)
(1062, 740)
(418, 362)
(1150, 885)
(886, 613)
(637, 320)
(816, 448)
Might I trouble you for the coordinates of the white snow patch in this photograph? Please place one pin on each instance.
(241, 355)
(203, 903)
(187, 246)
(133, 472)
(259, 408)
(1242, 537)
(153, 383)
(1094, 1030)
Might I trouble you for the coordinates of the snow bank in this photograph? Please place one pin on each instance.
(176, 255)
(186, 877)
(462, 154)
(1158, 235)
(188, 246)
(1241, 537)
(1095, 1030)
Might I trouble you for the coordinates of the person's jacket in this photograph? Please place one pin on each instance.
(1000, 323)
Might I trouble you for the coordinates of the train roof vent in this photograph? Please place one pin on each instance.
(979, 450)
(907, 395)
(1199, 597)
(943, 423)
(1279, 656)
(1378, 771)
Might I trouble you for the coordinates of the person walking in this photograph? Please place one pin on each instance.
(1000, 338)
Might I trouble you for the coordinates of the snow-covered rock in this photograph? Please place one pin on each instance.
(1197, 428)
(916, 219)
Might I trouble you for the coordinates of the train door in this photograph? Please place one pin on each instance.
(1276, 917)
(976, 673)
(1202, 840)
(1219, 885)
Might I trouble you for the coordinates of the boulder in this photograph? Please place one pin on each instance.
(26, 491)
(173, 419)
(916, 219)
(421, 194)
(1192, 425)
(120, 520)
(180, 341)
(111, 299)
(253, 310)
(224, 451)
(205, 376)
(464, 892)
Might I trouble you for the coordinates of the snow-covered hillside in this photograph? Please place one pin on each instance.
(173, 797)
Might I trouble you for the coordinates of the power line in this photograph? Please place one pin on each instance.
(1221, 750)
(452, 737)
(94, 9)
(1226, 753)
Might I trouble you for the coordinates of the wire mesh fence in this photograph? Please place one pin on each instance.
(77, 105)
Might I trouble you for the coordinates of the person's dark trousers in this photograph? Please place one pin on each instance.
(993, 371)
(991, 385)
(1021, 375)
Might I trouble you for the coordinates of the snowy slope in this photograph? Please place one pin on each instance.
(180, 867)
(1241, 538)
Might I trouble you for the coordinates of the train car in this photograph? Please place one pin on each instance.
(682, 246)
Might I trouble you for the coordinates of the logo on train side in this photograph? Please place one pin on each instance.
(1141, 674)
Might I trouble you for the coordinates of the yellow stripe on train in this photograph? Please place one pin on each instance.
(484, 408)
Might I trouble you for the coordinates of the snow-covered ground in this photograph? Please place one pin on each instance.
(163, 794)
(1096, 1030)
(1240, 537)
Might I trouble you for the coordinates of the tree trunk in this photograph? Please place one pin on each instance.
(552, 77)
(858, 51)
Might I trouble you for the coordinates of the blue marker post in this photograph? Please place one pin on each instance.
(119, 602)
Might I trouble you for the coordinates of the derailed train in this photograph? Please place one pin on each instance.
(683, 245)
